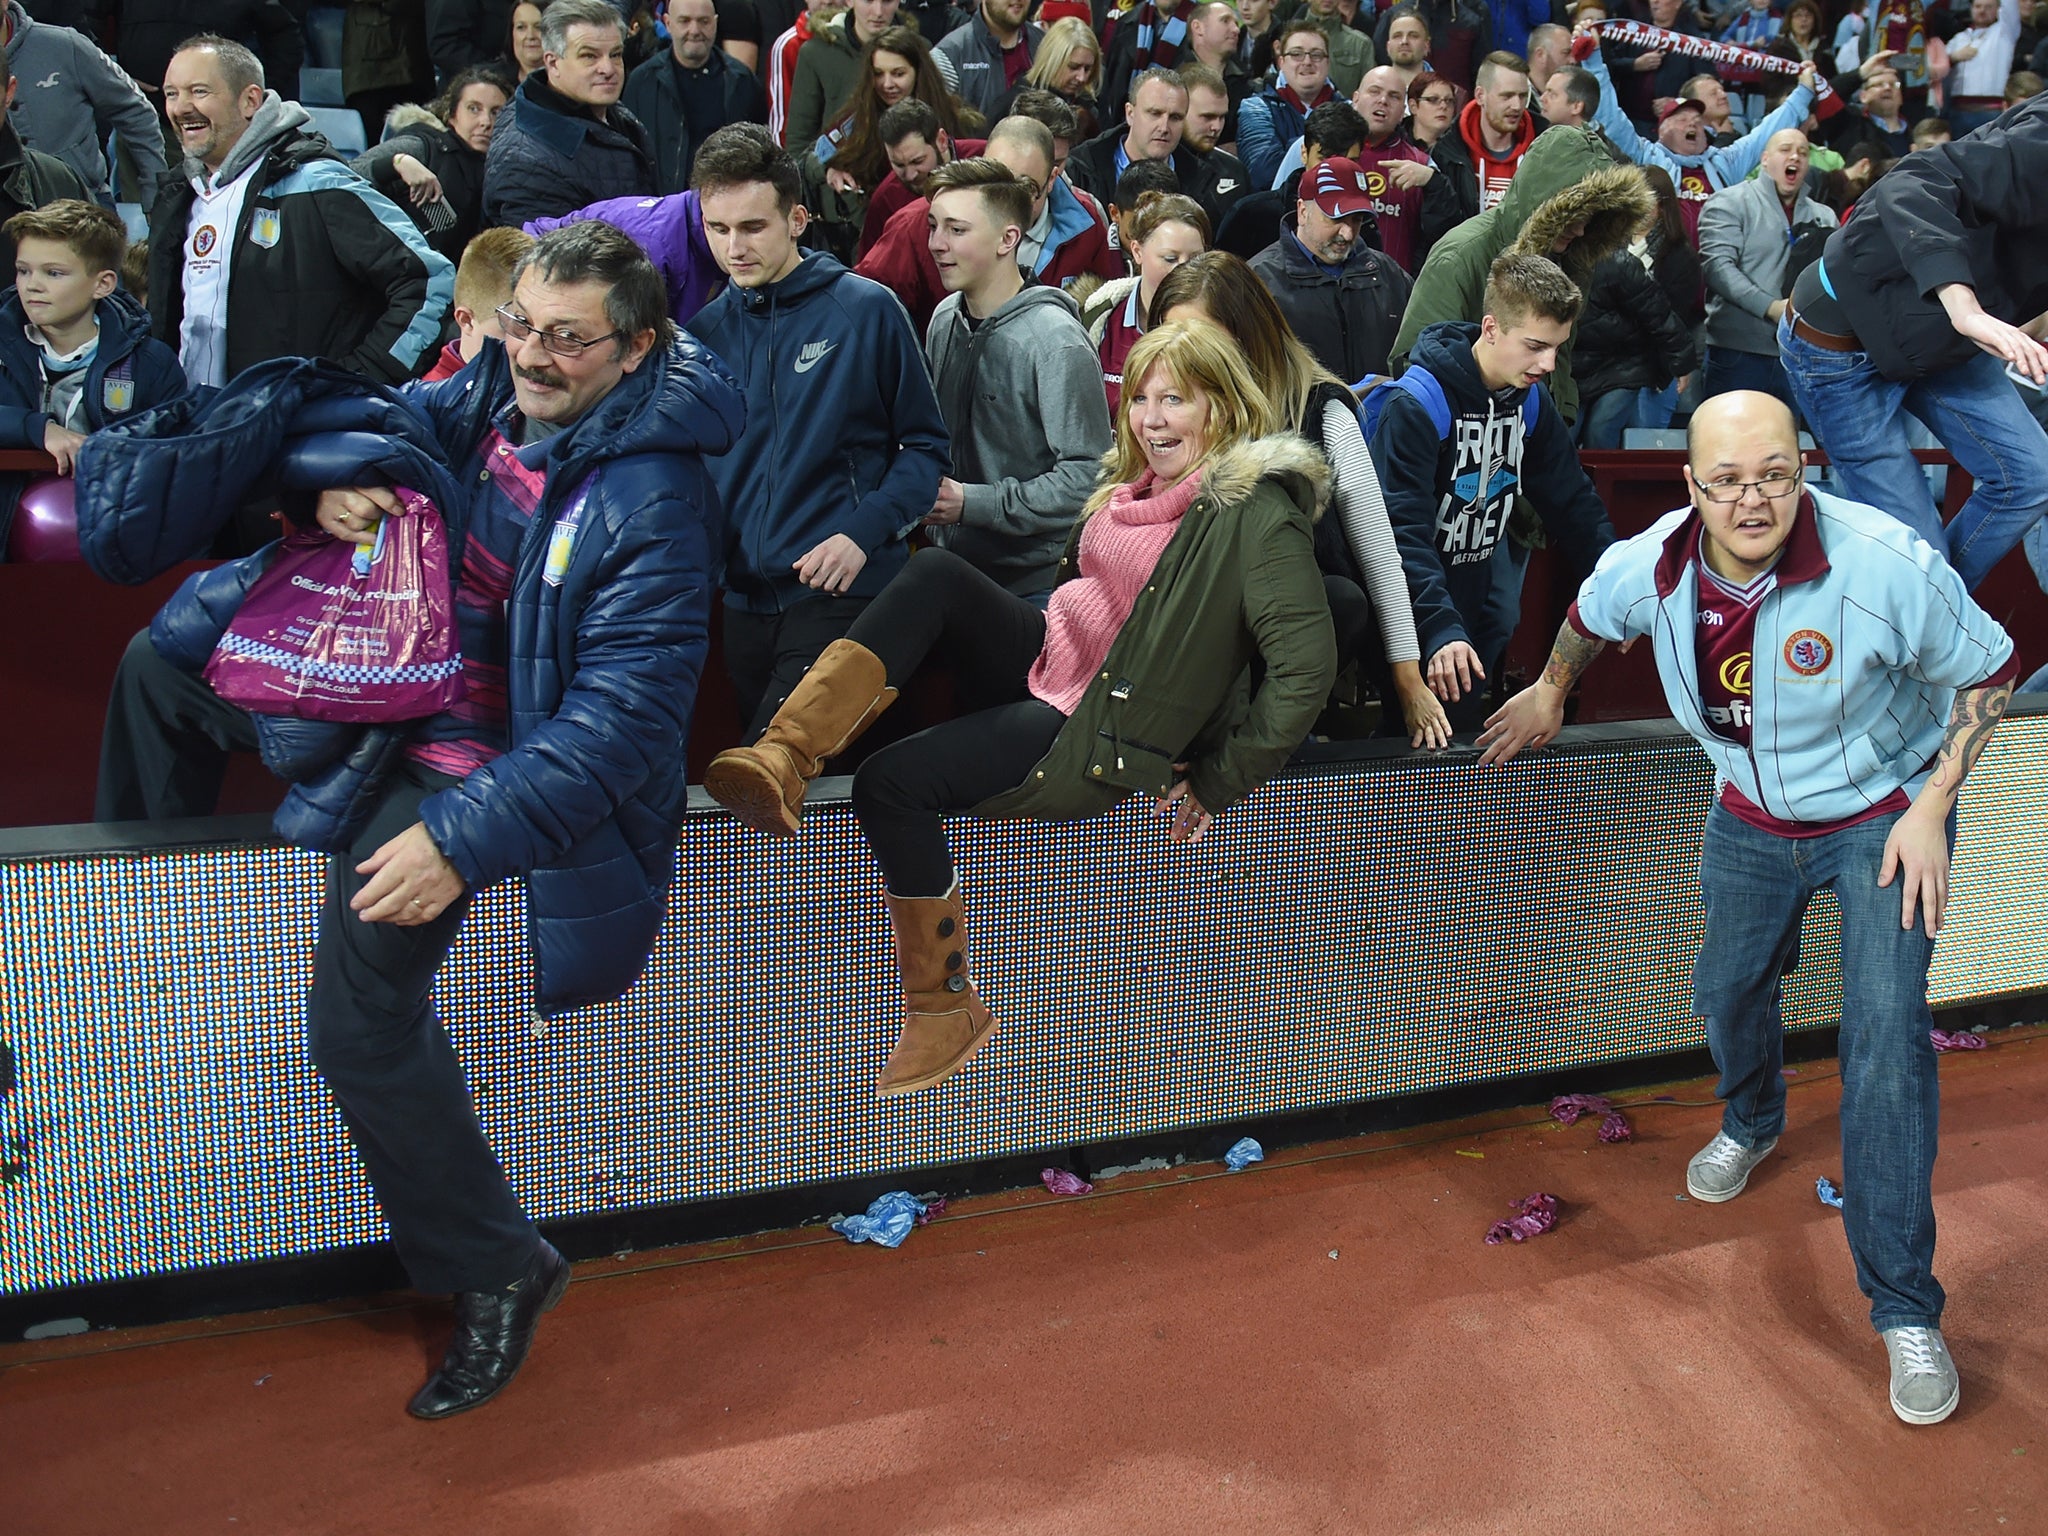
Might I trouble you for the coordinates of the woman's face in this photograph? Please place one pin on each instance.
(894, 76)
(1079, 71)
(1434, 109)
(526, 38)
(1171, 244)
(1171, 424)
(476, 114)
(1801, 25)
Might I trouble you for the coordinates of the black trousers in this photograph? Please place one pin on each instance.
(164, 750)
(767, 653)
(371, 1025)
(940, 605)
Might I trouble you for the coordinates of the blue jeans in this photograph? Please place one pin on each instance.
(1605, 417)
(1756, 887)
(1727, 369)
(1972, 408)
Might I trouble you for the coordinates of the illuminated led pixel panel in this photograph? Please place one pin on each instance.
(1342, 936)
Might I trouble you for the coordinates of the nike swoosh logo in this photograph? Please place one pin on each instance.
(813, 355)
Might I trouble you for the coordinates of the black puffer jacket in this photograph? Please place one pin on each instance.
(417, 132)
(549, 156)
(320, 264)
(1629, 336)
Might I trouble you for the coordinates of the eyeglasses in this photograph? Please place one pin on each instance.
(1296, 56)
(1728, 492)
(517, 329)
(1439, 100)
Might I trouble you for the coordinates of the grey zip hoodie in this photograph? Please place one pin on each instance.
(1024, 406)
(70, 96)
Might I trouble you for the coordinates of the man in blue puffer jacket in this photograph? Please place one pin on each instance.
(585, 536)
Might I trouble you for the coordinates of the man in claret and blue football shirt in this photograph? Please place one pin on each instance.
(1833, 666)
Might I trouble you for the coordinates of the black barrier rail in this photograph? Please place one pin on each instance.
(1379, 928)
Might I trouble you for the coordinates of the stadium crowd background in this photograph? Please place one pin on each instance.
(1368, 165)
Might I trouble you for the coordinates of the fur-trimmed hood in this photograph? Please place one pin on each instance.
(1615, 204)
(1288, 459)
(410, 114)
(1100, 298)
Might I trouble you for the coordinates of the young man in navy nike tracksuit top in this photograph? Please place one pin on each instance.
(844, 442)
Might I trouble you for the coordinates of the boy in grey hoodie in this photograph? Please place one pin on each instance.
(1018, 382)
(71, 96)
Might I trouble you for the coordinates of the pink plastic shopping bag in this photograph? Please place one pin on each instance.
(346, 632)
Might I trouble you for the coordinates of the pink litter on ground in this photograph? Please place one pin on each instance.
(1955, 1040)
(936, 1206)
(1537, 1215)
(1616, 1128)
(1061, 1182)
(1566, 1108)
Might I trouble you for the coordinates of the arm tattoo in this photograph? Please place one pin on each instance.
(1975, 716)
(1570, 654)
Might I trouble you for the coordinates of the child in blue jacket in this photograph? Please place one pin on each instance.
(75, 353)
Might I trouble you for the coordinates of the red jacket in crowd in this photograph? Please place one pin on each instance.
(901, 258)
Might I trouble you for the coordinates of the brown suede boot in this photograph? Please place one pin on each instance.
(824, 714)
(945, 1021)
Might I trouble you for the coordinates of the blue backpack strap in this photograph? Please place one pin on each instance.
(1425, 387)
(1532, 410)
(1374, 390)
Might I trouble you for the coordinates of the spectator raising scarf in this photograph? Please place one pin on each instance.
(1637, 34)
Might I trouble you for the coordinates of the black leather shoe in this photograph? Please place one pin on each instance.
(493, 1331)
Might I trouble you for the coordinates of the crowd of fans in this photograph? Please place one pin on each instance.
(1178, 376)
(1365, 169)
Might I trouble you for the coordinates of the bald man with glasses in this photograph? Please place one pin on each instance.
(1842, 682)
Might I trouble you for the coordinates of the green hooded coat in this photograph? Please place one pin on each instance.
(1237, 583)
(1568, 176)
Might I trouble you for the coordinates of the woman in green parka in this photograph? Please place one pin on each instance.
(1194, 559)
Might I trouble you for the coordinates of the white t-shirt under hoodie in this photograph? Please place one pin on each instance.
(209, 232)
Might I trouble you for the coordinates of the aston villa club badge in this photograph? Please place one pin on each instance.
(265, 228)
(202, 243)
(1809, 652)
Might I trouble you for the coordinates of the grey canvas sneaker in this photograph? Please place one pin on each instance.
(1925, 1386)
(1720, 1168)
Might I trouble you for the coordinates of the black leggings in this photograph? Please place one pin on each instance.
(990, 637)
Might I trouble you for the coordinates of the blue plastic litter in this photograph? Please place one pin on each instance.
(888, 1221)
(1244, 1154)
(1829, 1195)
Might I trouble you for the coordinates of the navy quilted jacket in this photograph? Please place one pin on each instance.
(549, 156)
(604, 661)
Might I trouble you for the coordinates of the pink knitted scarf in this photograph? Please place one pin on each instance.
(1120, 548)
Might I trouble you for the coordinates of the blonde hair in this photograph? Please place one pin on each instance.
(1202, 359)
(1057, 47)
(1224, 288)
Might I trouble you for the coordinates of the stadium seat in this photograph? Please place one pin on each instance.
(319, 87)
(1653, 437)
(340, 127)
(135, 219)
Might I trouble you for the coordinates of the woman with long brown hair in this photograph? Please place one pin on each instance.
(1193, 561)
(1363, 578)
(895, 65)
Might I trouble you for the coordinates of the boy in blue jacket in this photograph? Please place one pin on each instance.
(1464, 432)
(844, 443)
(1835, 670)
(75, 353)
